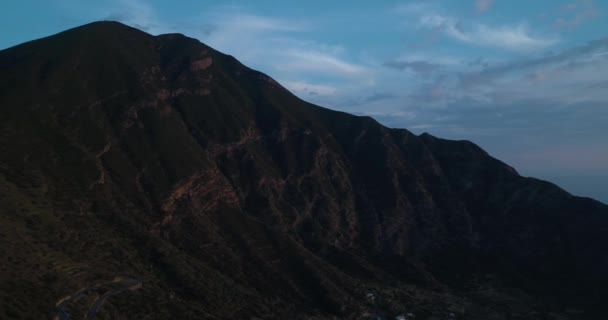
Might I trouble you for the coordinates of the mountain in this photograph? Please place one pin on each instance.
(152, 177)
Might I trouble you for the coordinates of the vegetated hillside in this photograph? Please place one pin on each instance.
(160, 159)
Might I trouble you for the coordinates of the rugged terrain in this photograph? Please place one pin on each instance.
(160, 159)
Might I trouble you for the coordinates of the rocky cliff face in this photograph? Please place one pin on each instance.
(161, 159)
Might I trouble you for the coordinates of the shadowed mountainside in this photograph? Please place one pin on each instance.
(160, 158)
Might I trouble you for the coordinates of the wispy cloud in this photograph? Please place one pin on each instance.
(243, 34)
(135, 13)
(454, 68)
(313, 70)
(250, 22)
(569, 76)
(319, 62)
(512, 37)
(309, 90)
(556, 95)
(576, 13)
(420, 67)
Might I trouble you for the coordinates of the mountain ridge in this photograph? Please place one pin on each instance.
(157, 156)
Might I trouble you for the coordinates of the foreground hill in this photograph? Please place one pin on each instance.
(159, 165)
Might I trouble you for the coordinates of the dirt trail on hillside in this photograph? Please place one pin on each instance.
(122, 284)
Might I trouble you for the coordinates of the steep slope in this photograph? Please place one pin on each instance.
(163, 160)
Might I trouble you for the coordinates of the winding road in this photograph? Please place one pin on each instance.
(122, 283)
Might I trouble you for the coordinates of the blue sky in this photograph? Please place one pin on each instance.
(527, 80)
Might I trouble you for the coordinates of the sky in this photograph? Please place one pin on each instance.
(526, 80)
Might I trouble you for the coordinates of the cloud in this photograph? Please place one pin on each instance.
(576, 13)
(391, 115)
(483, 5)
(244, 34)
(531, 106)
(569, 76)
(321, 73)
(304, 60)
(302, 88)
(251, 23)
(420, 67)
(379, 96)
(279, 46)
(478, 62)
(511, 37)
(539, 106)
(514, 37)
(542, 115)
(135, 13)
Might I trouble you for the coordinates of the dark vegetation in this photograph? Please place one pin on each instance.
(126, 154)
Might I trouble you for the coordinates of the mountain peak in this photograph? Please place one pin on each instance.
(228, 197)
(107, 26)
